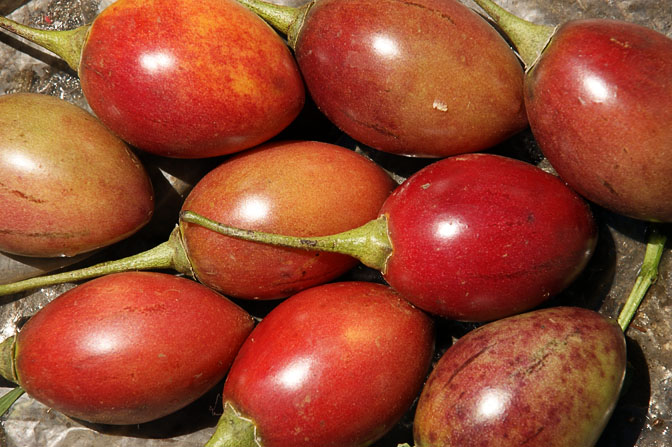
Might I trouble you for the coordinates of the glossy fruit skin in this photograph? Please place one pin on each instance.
(189, 79)
(425, 78)
(65, 194)
(478, 237)
(545, 378)
(335, 366)
(129, 347)
(599, 102)
(297, 188)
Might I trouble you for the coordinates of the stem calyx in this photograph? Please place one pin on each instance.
(286, 19)
(530, 39)
(233, 430)
(7, 364)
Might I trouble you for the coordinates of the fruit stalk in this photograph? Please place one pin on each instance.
(529, 38)
(233, 430)
(168, 255)
(646, 277)
(66, 44)
(368, 243)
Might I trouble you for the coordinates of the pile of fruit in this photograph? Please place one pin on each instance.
(362, 247)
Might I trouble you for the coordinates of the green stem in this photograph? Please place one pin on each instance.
(233, 430)
(286, 19)
(8, 371)
(647, 276)
(8, 399)
(7, 365)
(67, 45)
(529, 38)
(168, 255)
(369, 243)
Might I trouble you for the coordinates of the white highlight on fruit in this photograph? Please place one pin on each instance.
(294, 374)
(102, 343)
(385, 46)
(450, 228)
(20, 162)
(253, 209)
(596, 89)
(492, 403)
(156, 61)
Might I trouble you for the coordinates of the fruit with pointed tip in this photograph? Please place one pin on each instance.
(126, 348)
(333, 366)
(302, 188)
(599, 102)
(474, 237)
(426, 78)
(550, 377)
(181, 79)
(67, 185)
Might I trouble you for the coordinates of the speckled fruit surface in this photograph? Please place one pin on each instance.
(189, 79)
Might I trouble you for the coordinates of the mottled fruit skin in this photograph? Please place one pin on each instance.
(546, 378)
(189, 79)
(599, 102)
(333, 366)
(425, 78)
(478, 237)
(296, 188)
(67, 185)
(129, 348)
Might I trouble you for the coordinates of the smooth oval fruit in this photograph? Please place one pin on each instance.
(479, 237)
(600, 107)
(297, 188)
(599, 102)
(335, 365)
(423, 78)
(197, 79)
(294, 186)
(473, 237)
(129, 348)
(548, 378)
(179, 78)
(63, 194)
(426, 78)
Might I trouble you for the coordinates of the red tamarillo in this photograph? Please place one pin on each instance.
(336, 365)
(126, 348)
(549, 377)
(599, 102)
(63, 194)
(299, 187)
(180, 78)
(473, 237)
(425, 78)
